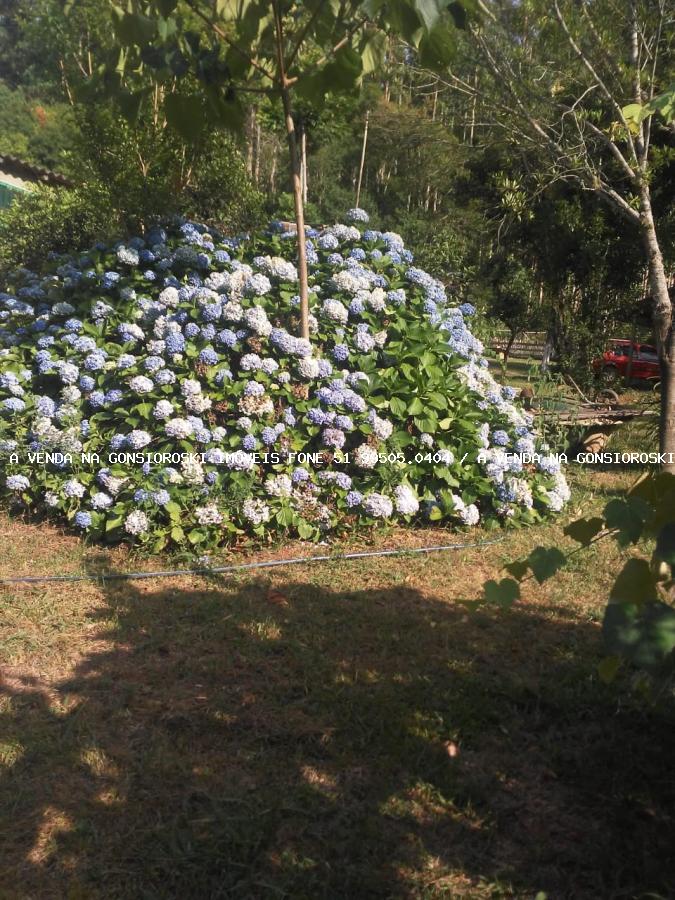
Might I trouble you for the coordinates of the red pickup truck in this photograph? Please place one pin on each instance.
(613, 363)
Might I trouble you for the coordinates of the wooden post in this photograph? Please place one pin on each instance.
(363, 158)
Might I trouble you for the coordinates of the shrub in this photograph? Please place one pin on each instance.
(49, 220)
(183, 343)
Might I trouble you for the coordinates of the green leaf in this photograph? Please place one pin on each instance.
(173, 510)
(132, 28)
(584, 530)
(435, 514)
(305, 530)
(285, 516)
(186, 114)
(342, 73)
(643, 634)
(664, 103)
(437, 49)
(415, 407)
(502, 593)
(177, 534)
(545, 562)
(403, 20)
(634, 113)
(195, 536)
(166, 7)
(427, 425)
(438, 401)
(397, 406)
(129, 104)
(429, 11)
(115, 522)
(373, 52)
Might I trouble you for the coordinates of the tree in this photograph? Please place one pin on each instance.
(232, 50)
(579, 89)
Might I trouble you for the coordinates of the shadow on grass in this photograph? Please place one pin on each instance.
(229, 742)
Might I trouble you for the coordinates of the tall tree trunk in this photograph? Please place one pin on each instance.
(296, 180)
(363, 159)
(662, 314)
(296, 174)
(258, 135)
(250, 128)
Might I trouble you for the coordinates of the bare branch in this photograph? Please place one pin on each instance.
(591, 68)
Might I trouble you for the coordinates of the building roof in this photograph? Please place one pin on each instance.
(20, 174)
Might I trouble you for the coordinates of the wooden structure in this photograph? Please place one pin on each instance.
(17, 177)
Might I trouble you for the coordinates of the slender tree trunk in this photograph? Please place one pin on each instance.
(296, 180)
(258, 135)
(273, 172)
(303, 161)
(363, 159)
(509, 345)
(250, 126)
(662, 314)
(296, 175)
(473, 109)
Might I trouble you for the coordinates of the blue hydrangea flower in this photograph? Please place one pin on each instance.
(208, 356)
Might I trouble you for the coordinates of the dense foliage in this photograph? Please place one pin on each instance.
(183, 343)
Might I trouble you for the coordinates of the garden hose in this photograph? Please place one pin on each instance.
(242, 567)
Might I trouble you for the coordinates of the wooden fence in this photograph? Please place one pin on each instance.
(527, 345)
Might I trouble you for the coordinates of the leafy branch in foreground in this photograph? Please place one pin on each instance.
(639, 620)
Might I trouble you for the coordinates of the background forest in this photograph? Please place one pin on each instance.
(425, 154)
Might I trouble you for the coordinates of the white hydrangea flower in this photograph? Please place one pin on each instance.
(256, 406)
(179, 428)
(366, 457)
(197, 403)
(190, 387)
(377, 300)
(335, 311)
(256, 319)
(255, 511)
(163, 409)
(208, 515)
(169, 297)
(136, 522)
(193, 471)
(279, 486)
(405, 500)
(377, 505)
(308, 368)
(141, 384)
(218, 281)
(382, 428)
(232, 311)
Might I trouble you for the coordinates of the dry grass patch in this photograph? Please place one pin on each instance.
(366, 735)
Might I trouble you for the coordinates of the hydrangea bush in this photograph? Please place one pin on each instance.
(155, 391)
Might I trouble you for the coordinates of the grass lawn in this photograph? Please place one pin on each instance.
(341, 730)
